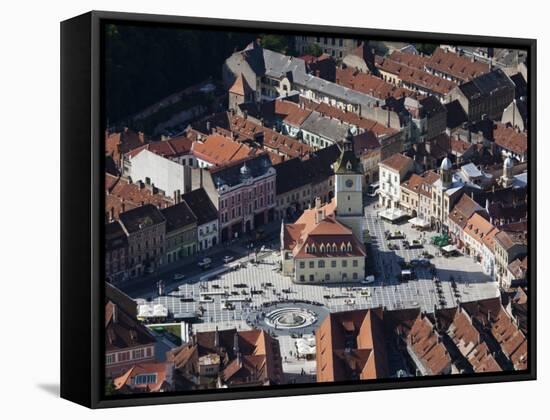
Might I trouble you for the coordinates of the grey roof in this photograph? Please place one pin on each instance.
(520, 181)
(337, 91)
(471, 170)
(178, 216)
(232, 175)
(141, 217)
(325, 127)
(278, 65)
(487, 84)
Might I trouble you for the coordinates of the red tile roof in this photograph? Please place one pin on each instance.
(406, 67)
(426, 344)
(478, 228)
(121, 196)
(369, 84)
(458, 66)
(322, 233)
(240, 86)
(220, 151)
(509, 139)
(397, 162)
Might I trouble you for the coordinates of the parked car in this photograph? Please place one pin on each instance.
(228, 258)
(204, 263)
(179, 276)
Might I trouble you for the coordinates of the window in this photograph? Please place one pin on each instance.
(344, 263)
(312, 264)
(109, 359)
(302, 264)
(145, 379)
(302, 278)
(124, 356)
(321, 264)
(327, 277)
(138, 354)
(355, 263)
(354, 276)
(333, 263)
(311, 277)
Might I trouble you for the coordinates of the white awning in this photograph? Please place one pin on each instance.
(417, 221)
(449, 248)
(152, 311)
(392, 214)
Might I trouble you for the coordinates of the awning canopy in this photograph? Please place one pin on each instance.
(392, 214)
(417, 221)
(449, 248)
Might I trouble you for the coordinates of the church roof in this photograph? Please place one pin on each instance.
(347, 163)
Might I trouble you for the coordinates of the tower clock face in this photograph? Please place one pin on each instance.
(349, 183)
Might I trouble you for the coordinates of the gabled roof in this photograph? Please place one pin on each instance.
(178, 216)
(463, 210)
(200, 204)
(510, 139)
(478, 227)
(141, 217)
(398, 162)
(240, 86)
(458, 66)
(219, 150)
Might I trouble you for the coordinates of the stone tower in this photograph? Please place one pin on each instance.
(349, 189)
(507, 172)
(445, 173)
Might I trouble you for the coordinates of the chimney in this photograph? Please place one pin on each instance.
(217, 338)
(236, 344)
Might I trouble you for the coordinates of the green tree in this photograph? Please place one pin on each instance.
(279, 43)
(426, 48)
(313, 49)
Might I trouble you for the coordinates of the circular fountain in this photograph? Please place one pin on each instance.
(289, 317)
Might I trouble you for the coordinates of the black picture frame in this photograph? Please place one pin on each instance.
(82, 214)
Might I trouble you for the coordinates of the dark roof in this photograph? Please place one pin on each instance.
(115, 238)
(200, 204)
(347, 161)
(178, 216)
(123, 331)
(455, 114)
(431, 106)
(521, 85)
(236, 173)
(486, 84)
(141, 217)
(313, 169)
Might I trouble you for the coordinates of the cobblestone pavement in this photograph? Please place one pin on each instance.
(248, 288)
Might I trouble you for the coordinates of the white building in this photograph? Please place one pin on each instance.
(165, 174)
(207, 218)
(393, 171)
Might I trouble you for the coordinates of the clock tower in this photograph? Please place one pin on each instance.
(349, 189)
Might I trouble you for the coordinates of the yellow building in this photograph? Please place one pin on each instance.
(325, 245)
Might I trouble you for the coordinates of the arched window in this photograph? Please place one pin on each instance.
(334, 248)
(322, 248)
(342, 248)
(349, 247)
